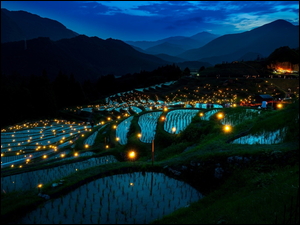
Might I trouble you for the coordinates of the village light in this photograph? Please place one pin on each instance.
(139, 135)
(86, 146)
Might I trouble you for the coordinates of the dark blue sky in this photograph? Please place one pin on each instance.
(154, 20)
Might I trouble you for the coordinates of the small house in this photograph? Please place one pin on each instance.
(260, 98)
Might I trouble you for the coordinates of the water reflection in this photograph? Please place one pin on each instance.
(134, 198)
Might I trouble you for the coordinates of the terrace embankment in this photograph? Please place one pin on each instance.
(207, 174)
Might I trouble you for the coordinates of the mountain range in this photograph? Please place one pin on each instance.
(31, 44)
(174, 45)
(262, 40)
(21, 25)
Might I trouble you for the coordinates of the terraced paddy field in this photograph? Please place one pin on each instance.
(153, 160)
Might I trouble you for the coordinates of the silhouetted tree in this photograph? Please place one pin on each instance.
(186, 71)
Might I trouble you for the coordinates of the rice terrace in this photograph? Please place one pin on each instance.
(192, 150)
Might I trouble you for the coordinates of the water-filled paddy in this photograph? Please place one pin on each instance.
(29, 180)
(133, 198)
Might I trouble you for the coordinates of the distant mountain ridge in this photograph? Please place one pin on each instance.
(51, 47)
(84, 57)
(21, 25)
(179, 43)
(262, 40)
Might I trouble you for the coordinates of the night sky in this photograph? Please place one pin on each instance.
(154, 20)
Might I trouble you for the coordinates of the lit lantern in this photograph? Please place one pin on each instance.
(220, 116)
(227, 128)
(174, 130)
(132, 155)
(279, 106)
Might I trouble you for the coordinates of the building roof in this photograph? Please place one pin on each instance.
(265, 96)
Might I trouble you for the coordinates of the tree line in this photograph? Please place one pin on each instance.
(40, 97)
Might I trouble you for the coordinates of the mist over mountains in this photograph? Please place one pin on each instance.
(31, 44)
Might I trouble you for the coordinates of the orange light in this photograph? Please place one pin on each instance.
(227, 128)
(220, 115)
(132, 154)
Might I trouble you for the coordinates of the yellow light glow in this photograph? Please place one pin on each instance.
(86, 146)
(132, 154)
(279, 106)
(227, 128)
(220, 115)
